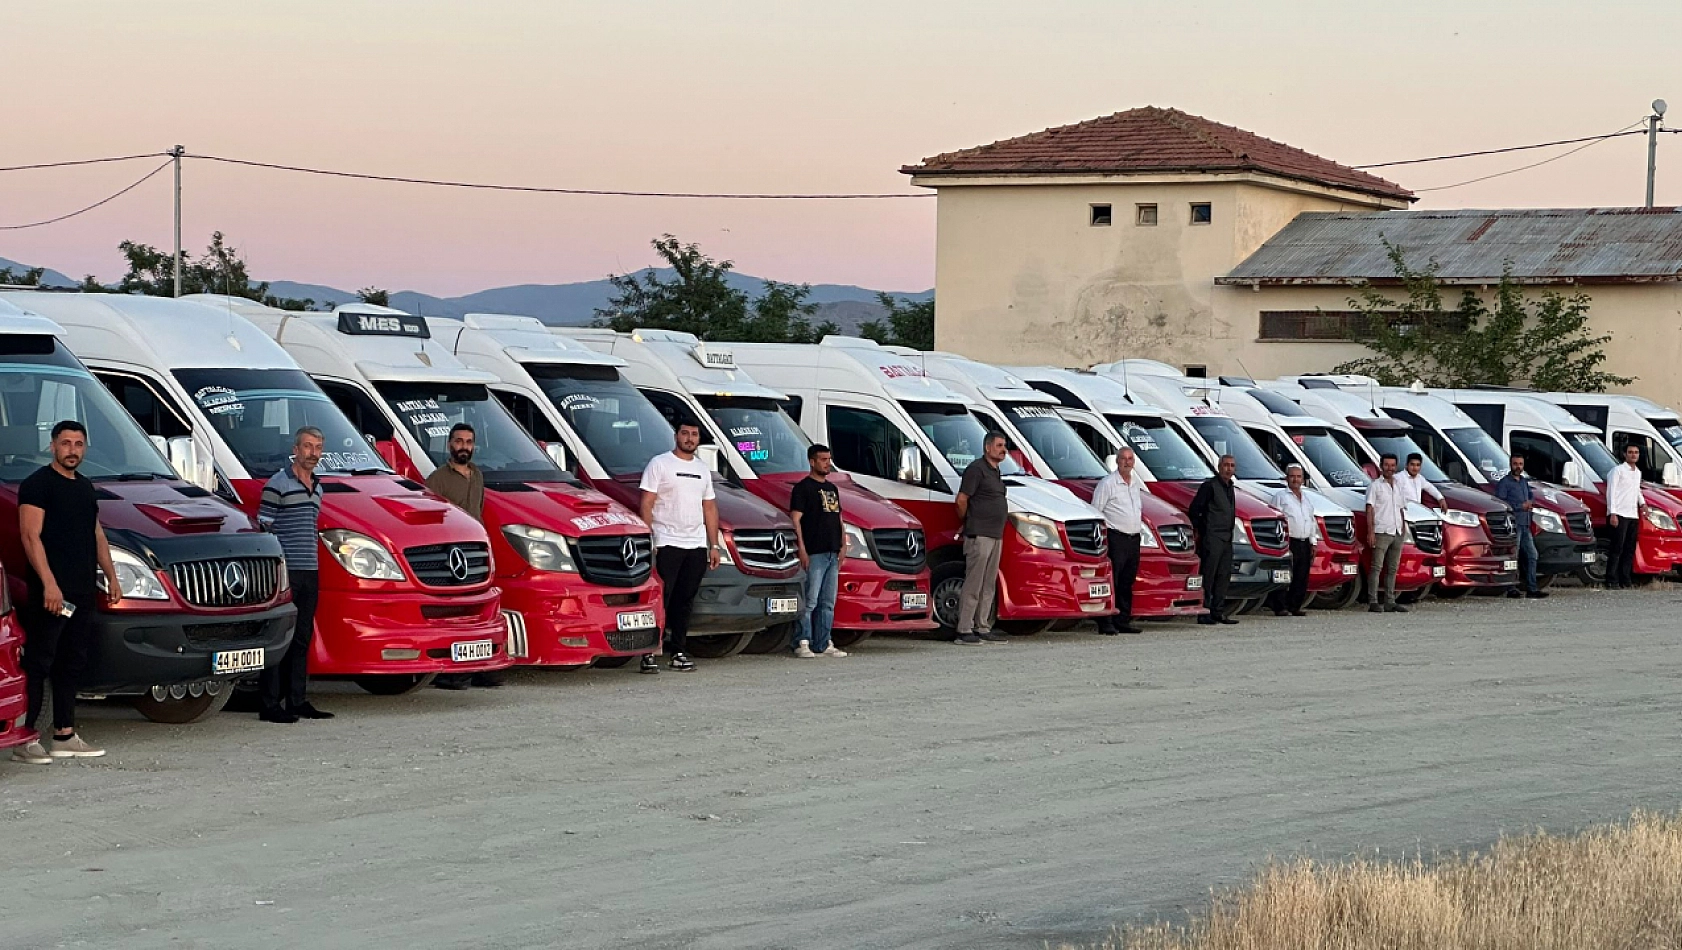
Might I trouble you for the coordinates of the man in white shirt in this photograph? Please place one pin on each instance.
(1419, 487)
(1386, 500)
(1624, 511)
(1304, 530)
(677, 503)
(1119, 497)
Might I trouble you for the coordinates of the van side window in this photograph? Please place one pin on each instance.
(360, 408)
(677, 412)
(1435, 446)
(1274, 448)
(1350, 445)
(1544, 459)
(1652, 457)
(155, 414)
(529, 416)
(792, 405)
(1095, 440)
(864, 442)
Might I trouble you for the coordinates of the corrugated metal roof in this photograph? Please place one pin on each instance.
(1572, 245)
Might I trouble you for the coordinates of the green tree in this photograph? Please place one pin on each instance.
(698, 298)
(220, 270)
(1542, 342)
(375, 296)
(28, 277)
(910, 323)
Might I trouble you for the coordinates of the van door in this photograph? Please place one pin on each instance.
(1544, 457)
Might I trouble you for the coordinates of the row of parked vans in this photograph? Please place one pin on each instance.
(191, 404)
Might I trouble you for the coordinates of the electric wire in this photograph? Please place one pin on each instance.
(102, 201)
(83, 161)
(1511, 148)
(1524, 168)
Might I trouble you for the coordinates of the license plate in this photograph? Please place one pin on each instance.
(1509, 565)
(1194, 582)
(1097, 590)
(782, 605)
(1350, 570)
(236, 661)
(1439, 572)
(1588, 557)
(470, 650)
(636, 620)
(1281, 577)
(913, 601)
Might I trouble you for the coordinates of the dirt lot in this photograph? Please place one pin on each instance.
(917, 794)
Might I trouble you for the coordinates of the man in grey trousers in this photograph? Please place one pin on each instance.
(981, 508)
(1387, 497)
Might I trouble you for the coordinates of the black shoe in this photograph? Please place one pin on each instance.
(1299, 613)
(649, 664)
(1281, 613)
(1536, 594)
(682, 663)
(1395, 609)
(1513, 593)
(969, 640)
(486, 680)
(452, 681)
(277, 715)
(306, 711)
(1129, 628)
(1207, 620)
(1108, 631)
(1376, 609)
(992, 636)
(1228, 621)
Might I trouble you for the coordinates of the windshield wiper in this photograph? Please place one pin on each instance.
(140, 477)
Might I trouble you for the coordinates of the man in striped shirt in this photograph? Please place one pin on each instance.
(291, 508)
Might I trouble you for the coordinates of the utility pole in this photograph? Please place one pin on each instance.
(178, 151)
(1653, 122)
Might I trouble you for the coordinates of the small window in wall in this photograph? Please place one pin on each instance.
(1201, 212)
(1145, 216)
(1100, 216)
(1197, 372)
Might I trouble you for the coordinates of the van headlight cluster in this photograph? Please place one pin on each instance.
(544, 550)
(856, 544)
(134, 578)
(361, 556)
(1547, 520)
(1038, 530)
(1660, 520)
(1465, 519)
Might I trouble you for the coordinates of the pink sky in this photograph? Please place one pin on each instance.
(743, 95)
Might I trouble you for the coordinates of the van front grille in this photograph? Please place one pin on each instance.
(1339, 529)
(450, 565)
(230, 582)
(620, 560)
(1087, 537)
(774, 550)
(1428, 537)
(1268, 534)
(901, 550)
(1175, 537)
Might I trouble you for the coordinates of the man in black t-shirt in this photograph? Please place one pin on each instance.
(58, 515)
(983, 510)
(815, 505)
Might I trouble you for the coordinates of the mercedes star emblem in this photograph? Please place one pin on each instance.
(458, 564)
(780, 546)
(234, 579)
(914, 544)
(628, 551)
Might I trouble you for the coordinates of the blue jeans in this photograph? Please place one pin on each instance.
(1527, 557)
(817, 614)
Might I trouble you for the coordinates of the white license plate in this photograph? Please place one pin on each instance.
(913, 601)
(1194, 582)
(1281, 577)
(1509, 565)
(236, 661)
(1350, 570)
(782, 605)
(1439, 572)
(470, 650)
(1097, 590)
(1588, 557)
(636, 620)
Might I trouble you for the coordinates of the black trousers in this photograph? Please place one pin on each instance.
(283, 682)
(1124, 568)
(56, 650)
(1302, 561)
(681, 571)
(1217, 572)
(1620, 561)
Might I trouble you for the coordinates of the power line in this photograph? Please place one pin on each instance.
(534, 189)
(102, 201)
(1502, 151)
(85, 161)
(1522, 168)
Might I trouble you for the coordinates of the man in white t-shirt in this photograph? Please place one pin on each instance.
(677, 503)
(1417, 486)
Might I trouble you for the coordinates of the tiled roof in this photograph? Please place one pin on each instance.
(1543, 246)
(1152, 140)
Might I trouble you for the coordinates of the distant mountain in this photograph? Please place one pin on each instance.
(50, 278)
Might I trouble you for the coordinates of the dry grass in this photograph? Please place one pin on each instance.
(1610, 887)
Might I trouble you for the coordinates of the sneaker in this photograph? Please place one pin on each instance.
(649, 664)
(277, 715)
(33, 753)
(1229, 621)
(1536, 594)
(968, 639)
(307, 711)
(682, 663)
(992, 636)
(833, 650)
(75, 747)
(803, 649)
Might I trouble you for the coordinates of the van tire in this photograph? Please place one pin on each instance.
(1023, 628)
(1338, 597)
(770, 639)
(720, 646)
(180, 712)
(610, 662)
(1597, 573)
(395, 684)
(946, 583)
(849, 638)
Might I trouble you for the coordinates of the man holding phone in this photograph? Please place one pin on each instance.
(58, 512)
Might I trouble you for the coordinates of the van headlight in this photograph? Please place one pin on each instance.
(1240, 534)
(361, 555)
(1547, 520)
(1660, 520)
(856, 545)
(1037, 530)
(1465, 519)
(1147, 537)
(544, 550)
(134, 577)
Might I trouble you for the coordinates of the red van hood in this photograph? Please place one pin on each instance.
(162, 508)
(1461, 498)
(386, 508)
(859, 505)
(737, 508)
(1180, 494)
(570, 509)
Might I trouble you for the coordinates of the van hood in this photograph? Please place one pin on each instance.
(737, 507)
(394, 511)
(1325, 507)
(1180, 494)
(1037, 496)
(570, 509)
(859, 505)
(169, 508)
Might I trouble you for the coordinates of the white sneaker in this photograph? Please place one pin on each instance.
(75, 747)
(833, 650)
(803, 649)
(33, 753)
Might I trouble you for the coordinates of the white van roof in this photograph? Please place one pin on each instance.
(16, 320)
(980, 380)
(1098, 393)
(1521, 405)
(700, 369)
(850, 364)
(520, 339)
(162, 333)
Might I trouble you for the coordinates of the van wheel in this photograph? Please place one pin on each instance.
(1064, 626)
(1596, 573)
(1338, 597)
(610, 662)
(946, 585)
(1544, 581)
(719, 647)
(1451, 593)
(395, 684)
(1233, 607)
(1023, 628)
(1406, 598)
(848, 638)
(187, 707)
(772, 638)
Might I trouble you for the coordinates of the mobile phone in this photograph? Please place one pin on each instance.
(67, 610)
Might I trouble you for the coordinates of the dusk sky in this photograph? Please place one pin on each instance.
(742, 95)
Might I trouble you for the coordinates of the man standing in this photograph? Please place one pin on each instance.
(1514, 489)
(677, 503)
(1386, 501)
(1624, 511)
(1119, 498)
(58, 514)
(291, 508)
(1213, 511)
(462, 484)
(981, 508)
(1304, 530)
(815, 506)
(1418, 486)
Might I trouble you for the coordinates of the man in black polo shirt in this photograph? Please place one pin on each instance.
(981, 507)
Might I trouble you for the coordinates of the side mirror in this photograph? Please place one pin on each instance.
(183, 455)
(711, 456)
(557, 453)
(1010, 466)
(1110, 462)
(1672, 476)
(910, 465)
(1370, 469)
(1573, 475)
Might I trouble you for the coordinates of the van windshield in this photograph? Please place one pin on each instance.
(955, 433)
(1594, 452)
(1328, 456)
(1670, 429)
(1401, 445)
(620, 426)
(1226, 438)
(502, 450)
(761, 433)
(1054, 440)
(41, 384)
(1160, 446)
(1485, 453)
(256, 413)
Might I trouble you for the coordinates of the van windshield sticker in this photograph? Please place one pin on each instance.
(383, 324)
(605, 520)
(580, 401)
(1033, 412)
(424, 416)
(1140, 437)
(897, 370)
(219, 401)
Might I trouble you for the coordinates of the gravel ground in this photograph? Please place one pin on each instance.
(918, 794)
